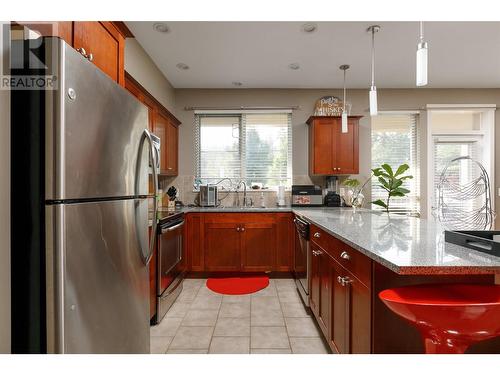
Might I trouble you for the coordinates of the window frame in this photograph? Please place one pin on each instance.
(416, 175)
(242, 141)
(486, 135)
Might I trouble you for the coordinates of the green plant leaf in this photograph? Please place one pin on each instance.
(402, 190)
(402, 169)
(388, 169)
(384, 183)
(396, 194)
(397, 183)
(380, 203)
(376, 171)
(406, 177)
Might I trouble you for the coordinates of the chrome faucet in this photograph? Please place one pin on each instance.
(244, 192)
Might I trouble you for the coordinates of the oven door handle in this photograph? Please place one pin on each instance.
(170, 229)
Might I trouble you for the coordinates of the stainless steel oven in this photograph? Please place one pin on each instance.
(170, 273)
(302, 259)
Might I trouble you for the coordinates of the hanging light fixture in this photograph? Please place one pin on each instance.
(344, 112)
(422, 58)
(373, 89)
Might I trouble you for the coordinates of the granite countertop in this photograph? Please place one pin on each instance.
(404, 244)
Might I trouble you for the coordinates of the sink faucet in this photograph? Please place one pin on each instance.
(244, 192)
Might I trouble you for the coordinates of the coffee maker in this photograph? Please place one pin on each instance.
(332, 198)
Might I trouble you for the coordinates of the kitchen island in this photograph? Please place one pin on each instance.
(354, 255)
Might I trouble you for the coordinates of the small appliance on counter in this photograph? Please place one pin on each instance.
(306, 196)
(208, 195)
(332, 198)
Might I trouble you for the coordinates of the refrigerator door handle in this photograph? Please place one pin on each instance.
(152, 156)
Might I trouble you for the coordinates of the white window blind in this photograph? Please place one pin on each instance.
(395, 142)
(253, 147)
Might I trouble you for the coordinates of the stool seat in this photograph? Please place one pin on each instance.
(450, 317)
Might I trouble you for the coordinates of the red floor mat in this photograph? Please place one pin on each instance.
(238, 285)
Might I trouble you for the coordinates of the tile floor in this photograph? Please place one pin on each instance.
(271, 321)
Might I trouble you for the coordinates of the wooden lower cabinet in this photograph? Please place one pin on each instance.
(222, 246)
(351, 313)
(258, 247)
(234, 242)
(339, 301)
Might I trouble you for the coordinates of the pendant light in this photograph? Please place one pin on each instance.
(373, 89)
(422, 58)
(345, 129)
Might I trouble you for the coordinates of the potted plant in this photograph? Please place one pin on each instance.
(391, 182)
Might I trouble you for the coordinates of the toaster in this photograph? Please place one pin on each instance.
(307, 195)
(208, 195)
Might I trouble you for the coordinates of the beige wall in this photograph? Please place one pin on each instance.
(389, 99)
(4, 212)
(140, 66)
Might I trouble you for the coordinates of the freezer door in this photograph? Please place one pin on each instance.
(94, 131)
(98, 294)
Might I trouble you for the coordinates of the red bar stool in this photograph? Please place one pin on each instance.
(450, 317)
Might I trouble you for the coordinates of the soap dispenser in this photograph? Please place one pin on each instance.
(262, 203)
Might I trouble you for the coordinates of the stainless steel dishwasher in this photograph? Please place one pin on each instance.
(302, 259)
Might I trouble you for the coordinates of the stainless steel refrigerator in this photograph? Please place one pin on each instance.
(81, 159)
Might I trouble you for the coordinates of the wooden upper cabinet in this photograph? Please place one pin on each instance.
(332, 152)
(162, 123)
(105, 44)
(104, 41)
(172, 149)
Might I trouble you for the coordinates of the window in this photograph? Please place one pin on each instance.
(453, 132)
(253, 147)
(395, 141)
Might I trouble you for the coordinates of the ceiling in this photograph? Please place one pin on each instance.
(257, 54)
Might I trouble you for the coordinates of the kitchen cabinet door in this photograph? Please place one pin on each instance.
(351, 313)
(285, 238)
(323, 147)
(314, 293)
(105, 43)
(258, 251)
(160, 129)
(347, 155)
(332, 152)
(325, 267)
(193, 242)
(171, 150)
(222, 243)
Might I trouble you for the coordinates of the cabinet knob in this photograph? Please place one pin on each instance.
(339, 279)
(237, 229)
(242, 229)
(170, 168)
(338, 169)
(317, 235)
(345, 255)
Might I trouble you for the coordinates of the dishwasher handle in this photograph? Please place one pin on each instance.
(170, 229)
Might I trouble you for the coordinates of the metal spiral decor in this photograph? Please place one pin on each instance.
(452, 196)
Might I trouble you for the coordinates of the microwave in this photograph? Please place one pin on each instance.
(208, 195)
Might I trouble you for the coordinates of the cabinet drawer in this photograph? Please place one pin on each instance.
(321, 238)
(352, 260)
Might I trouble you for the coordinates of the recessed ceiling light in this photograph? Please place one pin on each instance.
(236, 83)
(309, 27)
(182, 66)
(294, 66)
(161, 27)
